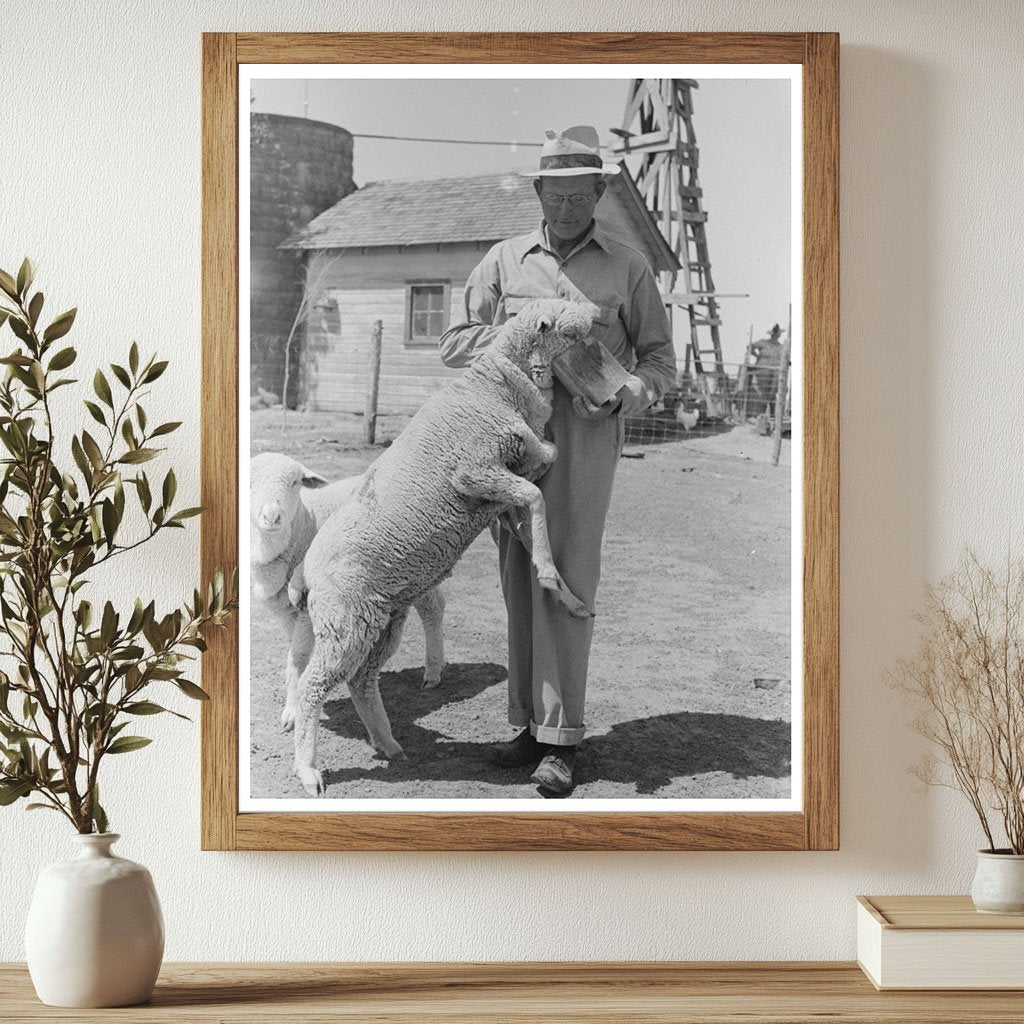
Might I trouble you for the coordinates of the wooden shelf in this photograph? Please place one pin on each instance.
(617, 993)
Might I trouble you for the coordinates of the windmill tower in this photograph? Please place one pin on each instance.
(658, 126)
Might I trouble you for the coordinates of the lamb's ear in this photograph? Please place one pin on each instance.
(311, 479)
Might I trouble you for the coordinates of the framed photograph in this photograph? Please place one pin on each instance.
(520, 418)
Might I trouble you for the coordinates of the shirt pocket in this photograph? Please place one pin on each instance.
(610, 330)
(603, 323)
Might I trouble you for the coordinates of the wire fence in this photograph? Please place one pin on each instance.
(756, 391)
(703, 404)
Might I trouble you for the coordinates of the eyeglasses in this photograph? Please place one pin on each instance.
(555, 199)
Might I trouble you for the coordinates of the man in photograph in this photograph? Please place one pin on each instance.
(569, 256)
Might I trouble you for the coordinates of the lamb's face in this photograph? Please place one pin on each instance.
(275, 487)
(543, 330)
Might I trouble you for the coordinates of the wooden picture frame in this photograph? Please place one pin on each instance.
(816, 826)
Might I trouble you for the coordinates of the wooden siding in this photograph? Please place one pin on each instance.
(364, 288)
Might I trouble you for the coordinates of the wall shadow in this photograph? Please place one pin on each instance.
(887, 326)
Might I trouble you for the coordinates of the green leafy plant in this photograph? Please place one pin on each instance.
(80, 671)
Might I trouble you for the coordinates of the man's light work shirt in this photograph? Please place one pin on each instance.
(632, 323)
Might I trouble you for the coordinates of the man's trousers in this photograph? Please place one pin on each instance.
(549, 649)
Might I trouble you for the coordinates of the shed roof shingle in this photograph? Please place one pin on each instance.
(484, 207)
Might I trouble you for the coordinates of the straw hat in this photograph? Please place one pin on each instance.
(577, 150)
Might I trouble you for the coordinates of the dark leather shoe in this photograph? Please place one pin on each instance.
(554, 773)
(517, 753)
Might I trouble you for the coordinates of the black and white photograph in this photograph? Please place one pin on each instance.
(520, 420)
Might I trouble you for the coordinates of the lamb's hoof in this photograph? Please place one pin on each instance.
(430, 680)
(572, 603)
(288, 716)
(575, 606)
(391, 753)
(312, 781)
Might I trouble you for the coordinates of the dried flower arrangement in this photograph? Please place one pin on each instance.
(967, 679)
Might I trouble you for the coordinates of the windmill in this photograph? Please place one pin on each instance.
(658, 126)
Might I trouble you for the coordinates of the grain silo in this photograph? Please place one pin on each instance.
(298, 169)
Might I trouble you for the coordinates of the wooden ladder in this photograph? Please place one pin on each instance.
(658, 123)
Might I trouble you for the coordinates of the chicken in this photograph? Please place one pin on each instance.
(688, 419)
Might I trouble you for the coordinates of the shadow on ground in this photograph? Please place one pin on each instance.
(431, 756)
(647, 753)
(651, 752)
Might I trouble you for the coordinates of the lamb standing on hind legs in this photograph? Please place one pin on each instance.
(287, 505)
(466, 457)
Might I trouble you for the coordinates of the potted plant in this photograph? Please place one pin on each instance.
(967, 679)
(75, 671)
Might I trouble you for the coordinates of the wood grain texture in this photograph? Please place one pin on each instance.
(817, 827)
(219, 429)
(532, 832)
(524, 993)
(821, 440)
(936, 912)
(519, 47)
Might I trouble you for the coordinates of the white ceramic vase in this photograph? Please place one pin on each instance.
(95, 933)
(999, 883)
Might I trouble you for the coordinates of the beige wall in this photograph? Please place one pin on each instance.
(103, 189)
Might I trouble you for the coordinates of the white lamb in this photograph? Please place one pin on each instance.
(466, 458)
(288, 504)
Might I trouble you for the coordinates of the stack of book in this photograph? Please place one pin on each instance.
(938, 942)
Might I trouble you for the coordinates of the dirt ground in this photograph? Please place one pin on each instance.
(694, 606)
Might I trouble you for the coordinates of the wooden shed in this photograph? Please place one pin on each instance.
(400, 252)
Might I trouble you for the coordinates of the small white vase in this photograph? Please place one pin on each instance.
(95, 933)
(999, 883)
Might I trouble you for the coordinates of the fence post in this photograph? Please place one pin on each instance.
(780, 391)
(370, 411)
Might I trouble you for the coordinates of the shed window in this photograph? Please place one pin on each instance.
(426, 311)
